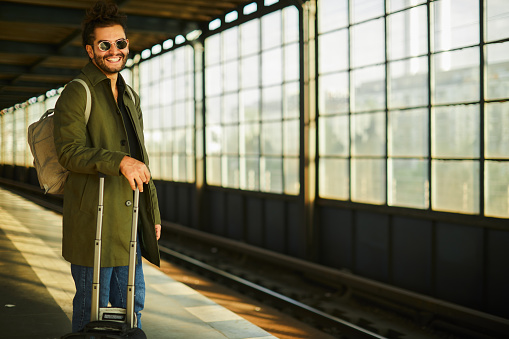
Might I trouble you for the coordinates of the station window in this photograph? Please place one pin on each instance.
(400, 117)
(167, 99)
(252, 105)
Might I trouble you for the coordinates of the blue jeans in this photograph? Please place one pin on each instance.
(113, 289)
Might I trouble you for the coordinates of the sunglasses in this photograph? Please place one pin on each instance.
(106, 45)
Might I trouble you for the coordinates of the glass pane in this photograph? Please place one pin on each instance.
(271, 30)
(368, 89)
(396, 5)
(456, 24)
(250, 139)
(272, 103)
(231, 108)
(455, 132)
(455, 186)
(250, 105)
(333, 93)
(214, 171)
(213, 80)
(332, 14)
(250, 71)
(291, 100)
(408, 33)
(291, 24)
(166, 167)
(250, 37)
(333, 51)
(408, 183)
(497, 14)
(190, 169)
(214, 138)
(166, 91)
(272, 67)
(230, 43)
(496, 127)
(368, 180)
(367, 9)
(189, 141)
(213, 113)
(231, 139)
(334, 135)
(497, 189)
(213, 50)
(271, 175)
(334, 179)
(408, 133)
(497, 79)
(292, 185)
(231, 76)
(291, 64)
(368, 43)
(250, 173)
(180, 141)
(368, 134)
(291, 137)
(408, 83)
(456, 76)
(231, 171)
(272, 143)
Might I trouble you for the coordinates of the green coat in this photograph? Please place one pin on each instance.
(99, 146)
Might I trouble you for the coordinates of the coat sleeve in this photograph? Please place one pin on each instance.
(70, 135)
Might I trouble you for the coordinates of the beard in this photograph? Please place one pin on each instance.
(106, 67)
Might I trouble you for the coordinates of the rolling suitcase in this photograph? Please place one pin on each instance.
(110, 322)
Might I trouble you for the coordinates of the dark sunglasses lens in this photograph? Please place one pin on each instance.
(104, 46)
(121, 44)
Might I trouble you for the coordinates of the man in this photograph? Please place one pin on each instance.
(111, 143)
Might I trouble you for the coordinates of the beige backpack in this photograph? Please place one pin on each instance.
(51, 174)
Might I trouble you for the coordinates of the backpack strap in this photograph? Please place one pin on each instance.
(131, 94)
(88, 106)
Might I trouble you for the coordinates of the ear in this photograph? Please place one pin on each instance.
(90, 51)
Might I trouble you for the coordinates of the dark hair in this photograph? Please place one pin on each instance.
(103, 14)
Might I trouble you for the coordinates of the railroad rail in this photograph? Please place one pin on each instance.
(349, 306)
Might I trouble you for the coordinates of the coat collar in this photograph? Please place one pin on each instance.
(95, 75)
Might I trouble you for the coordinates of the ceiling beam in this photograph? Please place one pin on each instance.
(70, 17)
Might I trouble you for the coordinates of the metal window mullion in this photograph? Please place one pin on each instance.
(386, 64)
(482, 96)
(430, 102)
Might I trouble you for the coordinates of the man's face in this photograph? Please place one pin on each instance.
(113, 60)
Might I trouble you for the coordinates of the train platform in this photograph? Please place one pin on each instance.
(37, 288)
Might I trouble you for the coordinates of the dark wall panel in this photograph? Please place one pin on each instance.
(216, 203)
(460, 264)
(275, 235)
(183, 205)
(235, 216)
(297, 245)
(254, 221)
(412, 254)
(497, 272)
(170, 203)
(372, 245)
(335, 238)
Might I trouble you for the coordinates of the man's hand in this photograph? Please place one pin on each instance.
(158, 232)
(135, 172)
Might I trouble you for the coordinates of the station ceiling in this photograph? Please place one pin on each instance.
(40, 40)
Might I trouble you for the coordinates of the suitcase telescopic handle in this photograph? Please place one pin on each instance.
(94, 314)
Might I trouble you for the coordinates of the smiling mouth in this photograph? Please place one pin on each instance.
(114, 59)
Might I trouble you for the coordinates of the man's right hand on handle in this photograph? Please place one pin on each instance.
(135, 172)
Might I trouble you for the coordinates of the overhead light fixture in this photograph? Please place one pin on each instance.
(168, 44)
(179, 39)
(193, 35)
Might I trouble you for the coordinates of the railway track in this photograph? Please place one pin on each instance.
(338, 303)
